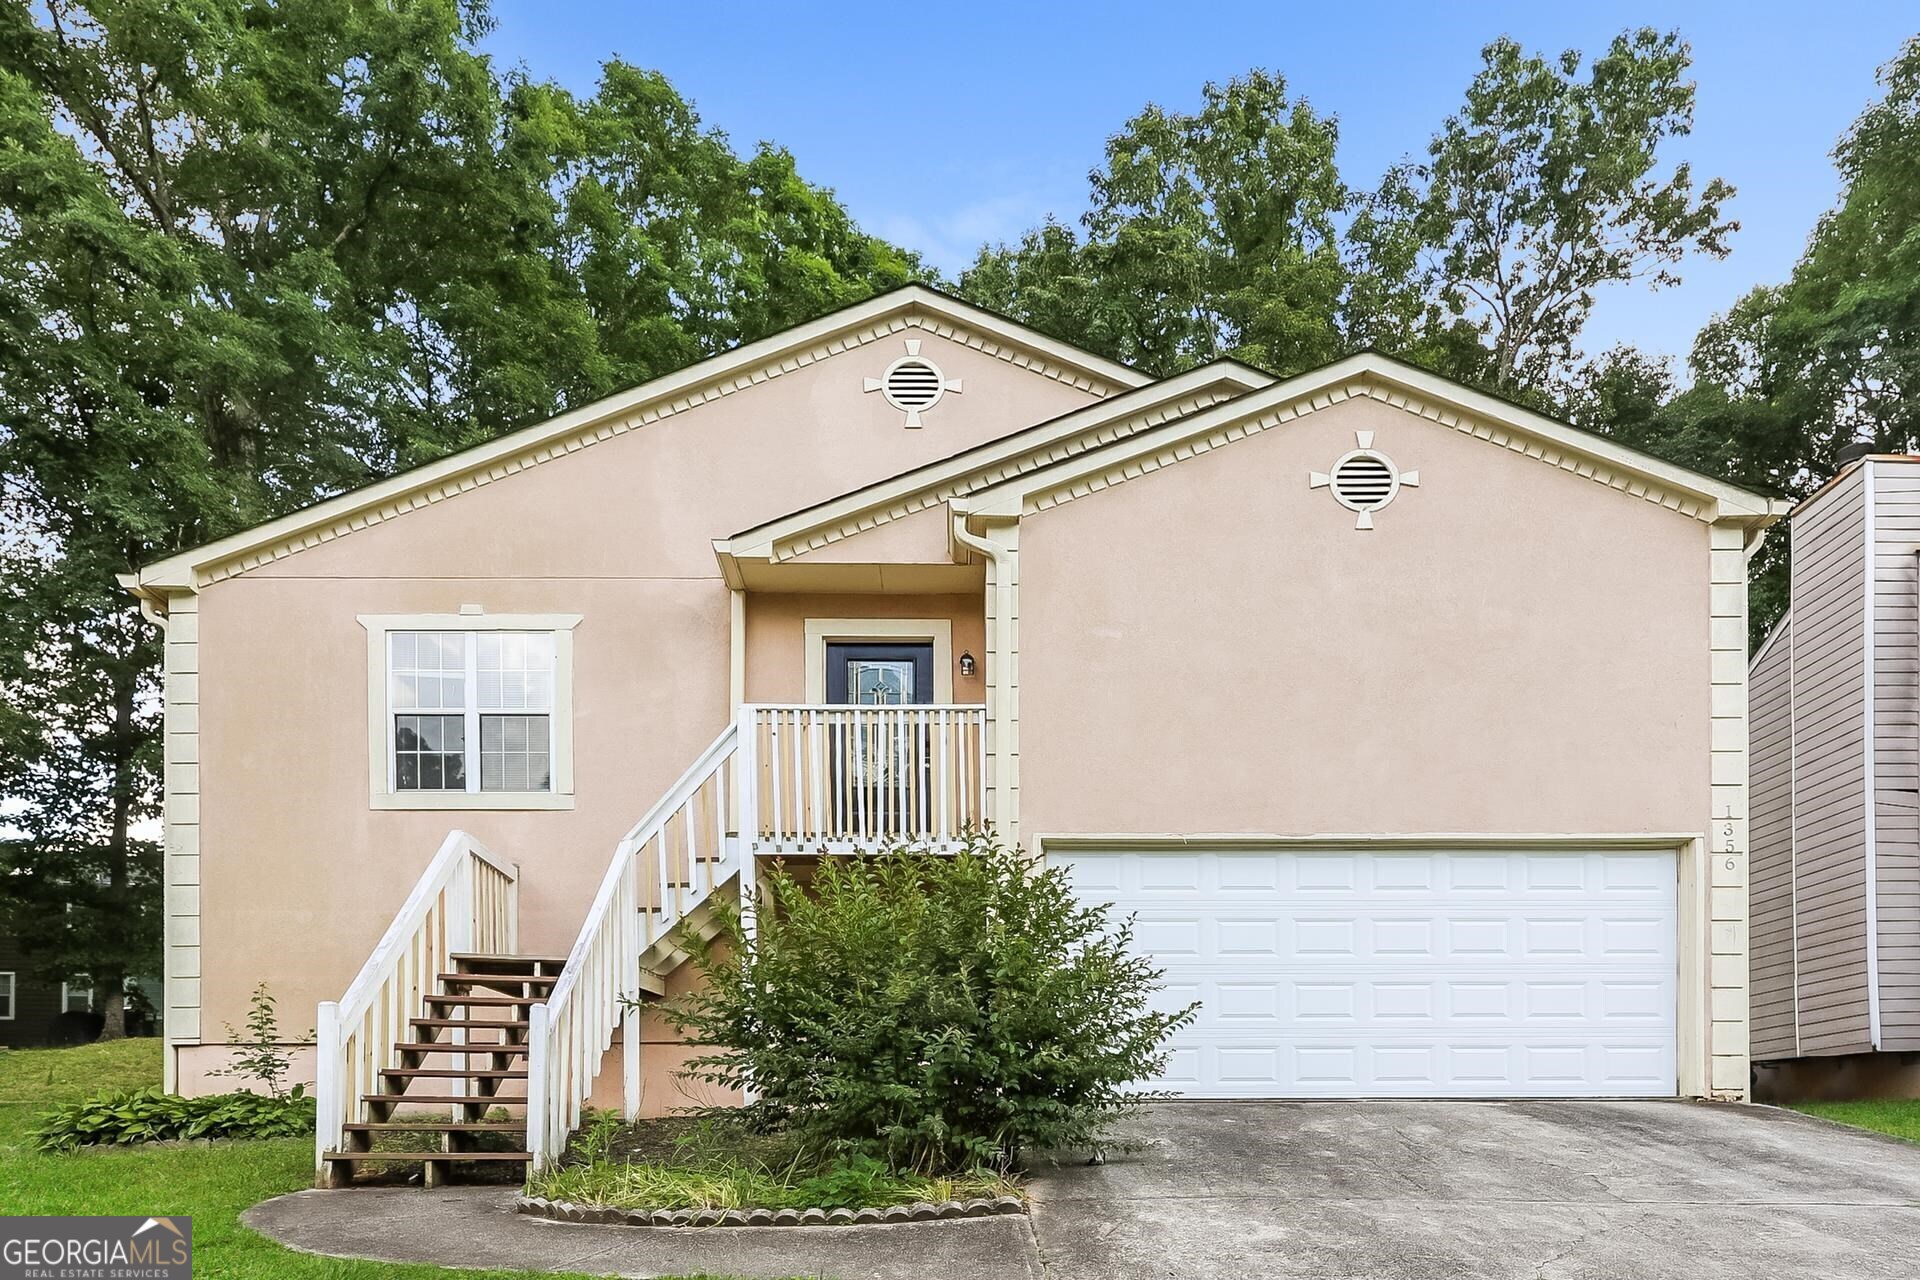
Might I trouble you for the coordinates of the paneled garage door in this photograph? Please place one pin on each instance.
(1455, 973)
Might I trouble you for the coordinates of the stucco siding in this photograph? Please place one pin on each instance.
(1828, 601)
(1896, 684)
(286, 874)
(1469, 665)
(1770, 761)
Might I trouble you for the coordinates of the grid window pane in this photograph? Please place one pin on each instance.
(515, 671)
(6, 997)
(428, 670)
(429, 753)
(515, 753)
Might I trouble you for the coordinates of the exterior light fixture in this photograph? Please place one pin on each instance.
(967, 666)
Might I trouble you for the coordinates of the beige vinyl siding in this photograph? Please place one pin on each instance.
(1896, 683)
(1770, 896)
(1828, 786)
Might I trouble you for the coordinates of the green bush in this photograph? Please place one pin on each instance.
(148, 1115)
(935, 1013)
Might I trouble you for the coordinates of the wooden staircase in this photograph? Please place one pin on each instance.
(475, 1031)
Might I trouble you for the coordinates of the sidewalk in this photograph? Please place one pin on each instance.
(476, 1227)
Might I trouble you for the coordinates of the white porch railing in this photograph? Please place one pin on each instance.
(840, 778)
(798, 779)
(467, 900)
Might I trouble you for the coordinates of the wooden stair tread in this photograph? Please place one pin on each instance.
(452, 1073)
(448, 1099)
(502, 979)
(485, 1002)
(487, 957)
(471, 1024)
(468, 1049)
(445, 1157)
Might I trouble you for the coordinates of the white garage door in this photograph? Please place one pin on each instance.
(1454, 973)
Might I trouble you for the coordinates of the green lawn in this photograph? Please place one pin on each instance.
(213, 1183)
(1900, 1118)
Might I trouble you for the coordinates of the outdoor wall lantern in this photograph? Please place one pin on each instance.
(967, 666)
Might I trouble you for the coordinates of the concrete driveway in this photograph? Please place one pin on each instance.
(1425, 1190)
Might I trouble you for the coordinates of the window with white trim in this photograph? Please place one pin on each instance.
(6, 997)
(470, 711)
(77, 996)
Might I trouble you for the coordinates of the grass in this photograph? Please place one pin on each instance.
(676, 1165)
(212, 1182)
(1901, 1117)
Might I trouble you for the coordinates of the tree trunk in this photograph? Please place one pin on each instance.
(110, 998)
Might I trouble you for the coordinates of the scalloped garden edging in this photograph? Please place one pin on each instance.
(918, 1211)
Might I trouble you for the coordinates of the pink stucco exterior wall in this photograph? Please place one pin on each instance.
(299, 876)
(1512, 649)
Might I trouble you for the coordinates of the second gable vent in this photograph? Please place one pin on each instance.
(1363, 481)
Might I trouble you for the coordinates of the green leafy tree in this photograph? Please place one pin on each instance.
(1211, 233)
(252, 254)
(1547, 186)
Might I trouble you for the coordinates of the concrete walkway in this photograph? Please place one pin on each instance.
(1291, 1191)
(477, 1227)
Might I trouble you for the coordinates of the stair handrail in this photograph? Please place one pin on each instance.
(467, 899)
(569, 1035)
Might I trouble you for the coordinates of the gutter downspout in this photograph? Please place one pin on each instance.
(1000, 560)
(153, 609)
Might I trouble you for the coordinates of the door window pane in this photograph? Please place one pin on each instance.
(880, 682)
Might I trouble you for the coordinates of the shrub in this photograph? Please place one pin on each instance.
(936, 1013)
(148, 1115)
(258, 1055)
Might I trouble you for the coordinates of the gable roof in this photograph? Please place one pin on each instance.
(1041, 445)
(1381, 377)
(1142, 430)
(913, 306)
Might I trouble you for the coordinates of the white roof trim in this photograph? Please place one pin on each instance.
(1403, 386)
(1030, 449)
(911, 307)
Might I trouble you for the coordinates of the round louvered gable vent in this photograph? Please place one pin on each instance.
(1364, 481)
(913, 384)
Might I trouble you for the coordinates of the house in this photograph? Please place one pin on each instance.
(1836, 796)
(30, 1007)
(1411, 724)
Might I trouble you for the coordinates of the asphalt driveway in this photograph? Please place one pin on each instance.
(1287, 1191)
(1543, 1190)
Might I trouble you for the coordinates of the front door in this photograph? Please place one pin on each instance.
(880, 761)
(880, 675)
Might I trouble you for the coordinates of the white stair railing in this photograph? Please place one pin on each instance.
(786, 778)
(467, 900)
(666, 866)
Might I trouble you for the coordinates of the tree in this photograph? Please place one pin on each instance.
(1211, 233)
(1543, 189)
(254, 254)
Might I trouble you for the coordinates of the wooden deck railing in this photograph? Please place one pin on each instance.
(840, 779)
(467, 900)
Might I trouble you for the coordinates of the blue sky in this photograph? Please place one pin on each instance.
(943, 126)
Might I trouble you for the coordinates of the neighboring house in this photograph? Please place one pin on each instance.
(1411, 724)
(1836, 796)
(29, 1006)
